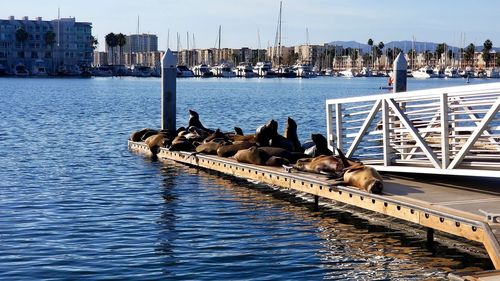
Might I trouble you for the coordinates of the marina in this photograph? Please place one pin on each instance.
(105, 208)
(469, 211)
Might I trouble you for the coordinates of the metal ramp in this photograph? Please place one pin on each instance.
(451, 131)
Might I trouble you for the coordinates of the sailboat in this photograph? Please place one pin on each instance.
(282, 71)
(222, 69)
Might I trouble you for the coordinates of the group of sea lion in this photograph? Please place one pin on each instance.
(264, 147)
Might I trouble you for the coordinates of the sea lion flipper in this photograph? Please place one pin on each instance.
(338, 182)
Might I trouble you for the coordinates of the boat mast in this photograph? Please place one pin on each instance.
(258, 43)
(219, 56)
(279, 42)
(187, 48)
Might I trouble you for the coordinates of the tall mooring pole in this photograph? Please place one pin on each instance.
(168, 91)
(399, 69)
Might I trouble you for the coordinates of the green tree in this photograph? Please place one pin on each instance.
(22, 37)
(487, 46)
(380, 51)
(121, 40)
(469, 53)
(112, 42)
(370, 43)
(440, 49)
(50, 39)
(93, 42)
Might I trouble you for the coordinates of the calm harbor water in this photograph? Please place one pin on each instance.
(75, 204)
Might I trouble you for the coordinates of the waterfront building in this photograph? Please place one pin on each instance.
(72, 44)
(137, 43)
(100, 58)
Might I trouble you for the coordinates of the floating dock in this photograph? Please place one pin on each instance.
(437, 205)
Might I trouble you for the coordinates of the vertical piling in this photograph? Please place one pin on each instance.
(168, 91)
(399, 70)
(316, 203)
(430, 238)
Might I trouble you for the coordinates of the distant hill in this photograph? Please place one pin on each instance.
(403, 45)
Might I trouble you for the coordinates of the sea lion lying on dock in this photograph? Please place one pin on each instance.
(154, 143)
(252, 155)
(231, 149)
(364, 177)
(323, 164)
(143, 134)
(292, 157)
(210, 147)
(180, 143)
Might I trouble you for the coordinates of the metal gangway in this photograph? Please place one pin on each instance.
(451, 131)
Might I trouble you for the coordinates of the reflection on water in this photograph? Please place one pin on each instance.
(75, 204)
(282, 227)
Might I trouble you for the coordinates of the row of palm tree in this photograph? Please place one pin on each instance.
(113, 40)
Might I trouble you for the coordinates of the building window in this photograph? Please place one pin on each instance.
(20, 54)
(48, 55)
(34, 55)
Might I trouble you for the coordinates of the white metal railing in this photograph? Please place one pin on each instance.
(453, 130)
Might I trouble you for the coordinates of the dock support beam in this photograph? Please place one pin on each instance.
(316, 203)
(399, 70)
(168, 91)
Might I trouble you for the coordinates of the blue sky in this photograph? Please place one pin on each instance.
(383, 20)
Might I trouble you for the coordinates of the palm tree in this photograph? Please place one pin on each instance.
(93, 42)
(469, 53)
(112, 43)
(440, 49)
(121, 40)
(50, 39)
(21, 37)
(487, 46)
(370, 43)
(380, 48)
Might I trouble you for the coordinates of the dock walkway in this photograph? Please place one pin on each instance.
(456, 208)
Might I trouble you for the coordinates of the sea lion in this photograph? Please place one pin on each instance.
(231, 149)
(194, 120)
(266, 132)
(276, 161)
(238, 131)
(323, 164)
(154, 143)
(139, 135)
(209, 147)
(216, 135)
(292, 157)
(320, 146)
(252, 156)
(180, 143)
(291, 135)
(365, 178)
(250, 138)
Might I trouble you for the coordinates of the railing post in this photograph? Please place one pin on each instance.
(338, 120)
(445, 132)
(385, 135)
(329, 129)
